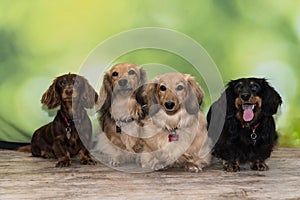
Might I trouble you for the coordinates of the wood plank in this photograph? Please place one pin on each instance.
(26, 177)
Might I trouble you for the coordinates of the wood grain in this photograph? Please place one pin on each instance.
(26, 177)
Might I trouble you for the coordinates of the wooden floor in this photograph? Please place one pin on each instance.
(25, 177)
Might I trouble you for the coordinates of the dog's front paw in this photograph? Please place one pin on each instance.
(114, 163)
(88, 161)
(63, 163)
(259, 165)
(85, 158)
(231, 166)
(152, 163)
(159, 166)
(190, 167)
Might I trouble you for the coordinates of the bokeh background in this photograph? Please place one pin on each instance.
(42, 39)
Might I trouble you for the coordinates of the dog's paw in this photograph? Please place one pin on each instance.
(63, 163)
(152, 163)
(114, 163)
(192, 168)
(88, 161)
(46, 154)
(158, 166)
(231, 166)
(259, 165)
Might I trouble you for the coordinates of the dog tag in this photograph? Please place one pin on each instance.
(173, 137)
(253, 136)
(68, 130)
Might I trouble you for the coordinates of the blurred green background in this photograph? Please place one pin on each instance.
(42, 39)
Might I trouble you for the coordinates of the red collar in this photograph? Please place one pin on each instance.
(67, 121)
(254, 127)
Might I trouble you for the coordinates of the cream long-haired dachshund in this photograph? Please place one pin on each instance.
(120, 112)
(175, 131)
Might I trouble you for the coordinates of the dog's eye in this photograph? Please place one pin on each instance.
(115, 74)
(162, 88)
(62, 83)
(179, 87)
(254, 88)
(76, 82)
(239, 88)
(131, 72)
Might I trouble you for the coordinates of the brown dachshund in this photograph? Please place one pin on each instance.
(70, 132)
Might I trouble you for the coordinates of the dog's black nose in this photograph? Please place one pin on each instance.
(122, 82)
(245, 96)
(69, 92)
(169, 105)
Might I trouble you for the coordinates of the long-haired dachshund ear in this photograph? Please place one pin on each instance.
(194, 95)
(152, 98)
(271, 99)
(230, 98)
(51, 98)
(141, 98)
(105, 95)
(89, 96)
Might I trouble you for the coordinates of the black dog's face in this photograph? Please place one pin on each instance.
(248, 102)
(250, 98)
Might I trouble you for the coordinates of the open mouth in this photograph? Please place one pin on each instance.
(248, 112)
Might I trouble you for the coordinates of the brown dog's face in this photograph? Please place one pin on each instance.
(68, 86)
(171, 93)
(248, 102)
(174, 91)
(125, 78)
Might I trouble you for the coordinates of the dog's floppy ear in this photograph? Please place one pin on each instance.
(271, 99)
(89, 96)
(152, 98)
(51, 98)
(194, 95)
(141, 98)
(230, 98)
(105, 95)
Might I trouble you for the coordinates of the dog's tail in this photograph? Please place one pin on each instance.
(25, 149)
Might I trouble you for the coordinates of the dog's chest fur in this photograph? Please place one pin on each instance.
(120, 108)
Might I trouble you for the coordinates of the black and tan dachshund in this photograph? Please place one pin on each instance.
(248, 133)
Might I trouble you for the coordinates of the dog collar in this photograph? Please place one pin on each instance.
(173, 136)
(253, 135)
(68, 123)
(120, 121)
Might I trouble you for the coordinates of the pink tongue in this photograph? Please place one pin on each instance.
(248, 113)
